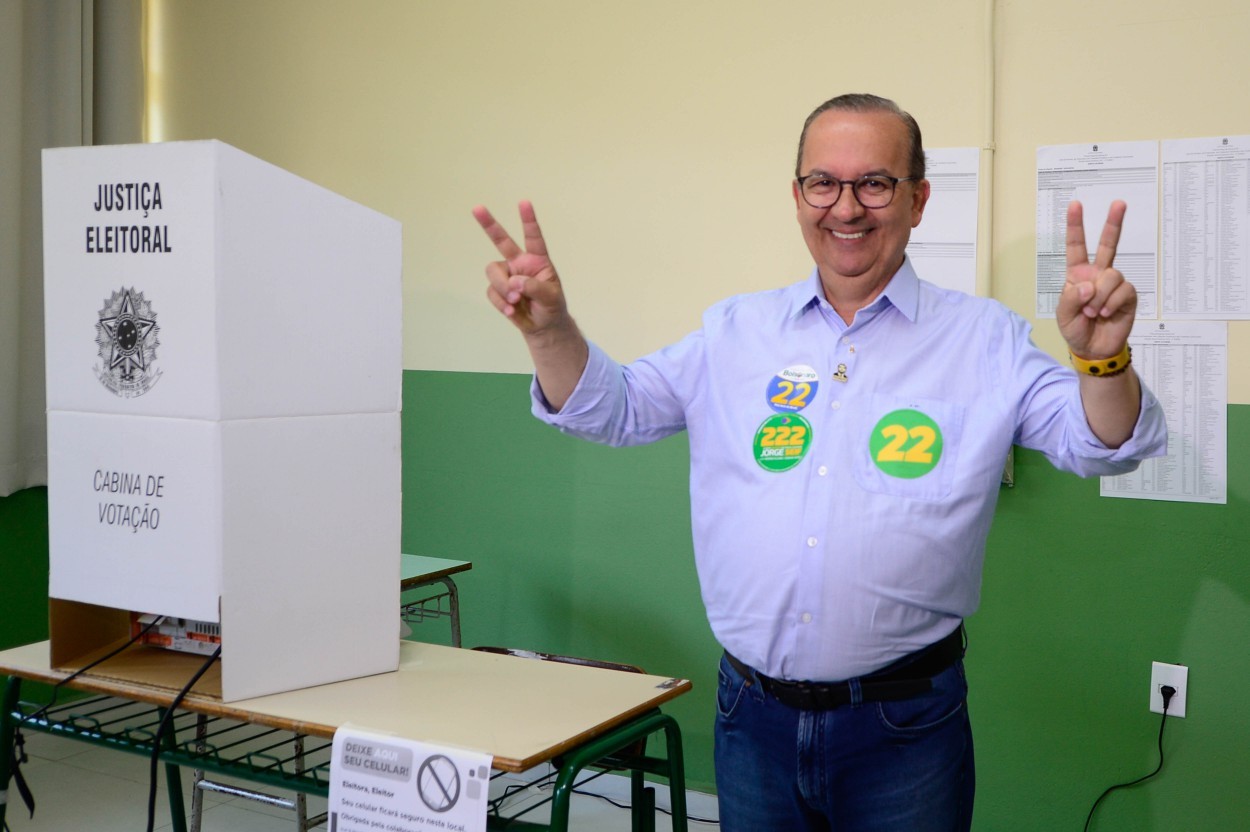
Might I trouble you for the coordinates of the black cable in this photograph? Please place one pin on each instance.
(19, 741)
(160, 731)
(658, 808)
(56, 688)
(1168, 692)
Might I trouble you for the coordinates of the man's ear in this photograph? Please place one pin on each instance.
(919, 198)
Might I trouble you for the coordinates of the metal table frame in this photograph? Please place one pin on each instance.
(423, 572)
(279, 758)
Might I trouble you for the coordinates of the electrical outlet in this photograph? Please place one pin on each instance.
(1176, 675)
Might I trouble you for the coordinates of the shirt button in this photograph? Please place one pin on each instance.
(846, 339)
(811, 543)
(822, 470)
(806, 618)
(835, 405)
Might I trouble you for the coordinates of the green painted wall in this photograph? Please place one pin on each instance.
(24, 574)
(586, 550)
(1080, 594)
(576, 548)
(24, 567)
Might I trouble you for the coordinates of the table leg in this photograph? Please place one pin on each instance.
(8, 729)
(673, 769)
(173, 780)
(454, 606)
(642, 803)
(301, 799)
(676, 774)
(197, 775)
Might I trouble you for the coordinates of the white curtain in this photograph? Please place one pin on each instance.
(71, 73)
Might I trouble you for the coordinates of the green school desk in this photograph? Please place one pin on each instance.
(421, 572)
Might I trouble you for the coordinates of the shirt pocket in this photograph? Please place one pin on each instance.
(907, 447)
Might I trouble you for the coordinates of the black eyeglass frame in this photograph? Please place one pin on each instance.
(854, 183)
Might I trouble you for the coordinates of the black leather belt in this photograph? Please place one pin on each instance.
(909, 676)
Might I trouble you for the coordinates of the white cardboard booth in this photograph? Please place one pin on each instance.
(223, 376)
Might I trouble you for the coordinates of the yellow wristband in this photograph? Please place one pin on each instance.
(1112, 366)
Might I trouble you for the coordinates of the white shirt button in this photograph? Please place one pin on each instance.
(846, 339)
(835, 405)
(822, 470)
(806, 618)
(811, 543)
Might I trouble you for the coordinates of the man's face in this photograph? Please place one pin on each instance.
(858, 249)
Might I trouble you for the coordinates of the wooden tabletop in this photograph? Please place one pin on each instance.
(520, 711)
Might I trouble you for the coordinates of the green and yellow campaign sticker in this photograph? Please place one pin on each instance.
(782, 441)
(906, 444)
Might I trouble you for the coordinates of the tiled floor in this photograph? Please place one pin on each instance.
(79, 787)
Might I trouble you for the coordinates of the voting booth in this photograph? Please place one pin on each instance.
(223, 385)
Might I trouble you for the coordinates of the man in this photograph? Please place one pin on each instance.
(847, 437)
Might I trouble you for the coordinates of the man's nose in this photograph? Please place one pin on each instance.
(847, 206)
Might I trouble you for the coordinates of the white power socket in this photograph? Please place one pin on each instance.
(1176, 675)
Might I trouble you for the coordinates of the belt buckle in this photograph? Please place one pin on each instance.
(814, 696)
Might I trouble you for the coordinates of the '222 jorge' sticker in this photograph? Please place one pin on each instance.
(906, 444)
(782, 441)
(792, 389)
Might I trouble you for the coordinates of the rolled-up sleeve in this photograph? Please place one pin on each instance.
(622, 405)
(1088, 456)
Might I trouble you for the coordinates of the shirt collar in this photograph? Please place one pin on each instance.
(804, 296)
(902, 292)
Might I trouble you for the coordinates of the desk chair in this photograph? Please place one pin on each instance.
(615, 752)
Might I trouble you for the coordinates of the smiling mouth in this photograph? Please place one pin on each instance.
(840, 236)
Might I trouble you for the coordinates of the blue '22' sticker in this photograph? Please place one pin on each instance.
(792, 389)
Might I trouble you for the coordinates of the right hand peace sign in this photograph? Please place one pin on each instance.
(523, 286)
(1098, 305)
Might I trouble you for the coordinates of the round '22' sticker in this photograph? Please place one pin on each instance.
(792, 389)
(906, 444)
(782, 441)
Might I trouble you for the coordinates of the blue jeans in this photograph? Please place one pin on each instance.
(864, 767)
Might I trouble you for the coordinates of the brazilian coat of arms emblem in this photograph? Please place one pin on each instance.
(126, 334)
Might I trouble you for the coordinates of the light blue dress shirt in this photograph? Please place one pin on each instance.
(843, 478)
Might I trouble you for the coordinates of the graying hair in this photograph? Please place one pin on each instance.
(862, 102)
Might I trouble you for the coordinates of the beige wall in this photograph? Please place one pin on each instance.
(657, 138)
(1110, 70)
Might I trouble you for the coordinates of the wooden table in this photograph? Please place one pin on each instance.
(522, 712)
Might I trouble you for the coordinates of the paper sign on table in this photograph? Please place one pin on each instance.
(388, 783)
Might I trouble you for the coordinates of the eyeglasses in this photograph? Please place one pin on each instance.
(820, 190)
